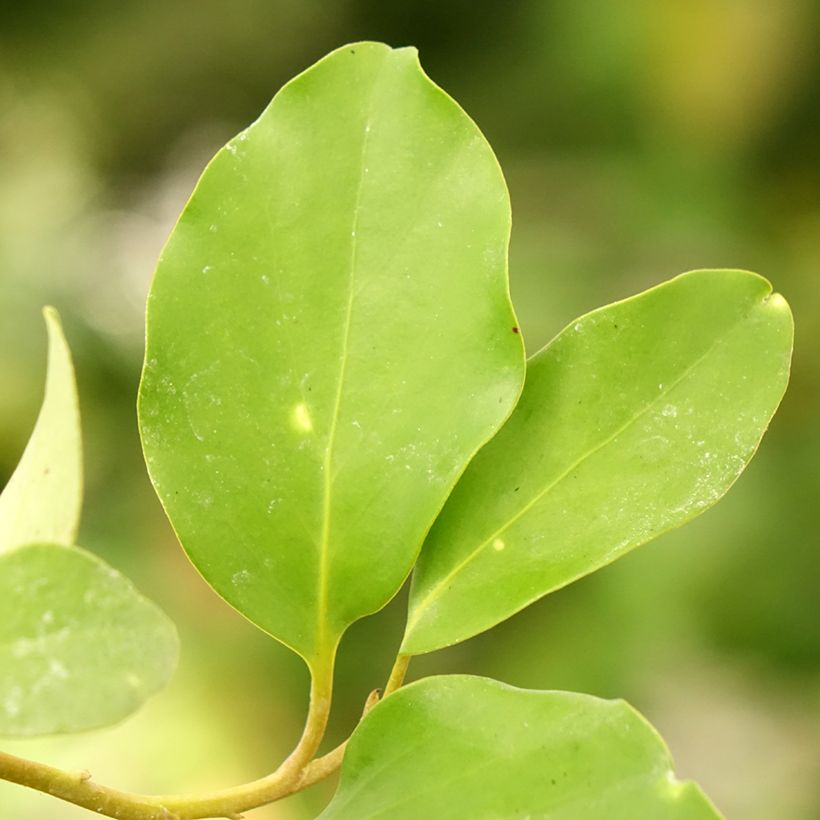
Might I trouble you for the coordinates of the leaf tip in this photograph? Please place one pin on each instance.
(51, 316)
(56, 336)
(50, 312)
(777, 302)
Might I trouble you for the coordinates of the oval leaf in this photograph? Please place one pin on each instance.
(330, 340)
(636, 418)
(459, 746)
(79, 646)
(42, 499)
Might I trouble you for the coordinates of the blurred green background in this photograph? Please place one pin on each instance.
(639, 139)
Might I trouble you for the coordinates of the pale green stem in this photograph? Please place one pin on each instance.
(397, 674)
(325, 766)
(295, 773)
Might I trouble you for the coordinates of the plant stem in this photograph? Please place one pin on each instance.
(326, 765)
(397, 674)
(295, 773)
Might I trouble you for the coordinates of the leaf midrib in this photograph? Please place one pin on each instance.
(327, 485)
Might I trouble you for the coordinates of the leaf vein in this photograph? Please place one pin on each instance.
(327, 484)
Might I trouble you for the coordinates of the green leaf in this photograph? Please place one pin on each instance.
(635, 419)
(330, 340)
(79, 646)
(460, 746)
(42, 499)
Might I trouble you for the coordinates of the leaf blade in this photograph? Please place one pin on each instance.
(635, 419)
(461, 746)
(338, 289)
(80, 648)
(43, 498)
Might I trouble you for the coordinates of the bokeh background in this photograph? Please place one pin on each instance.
(639, 139)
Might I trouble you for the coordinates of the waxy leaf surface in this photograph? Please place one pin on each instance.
(42, 499)
(458, 746)
(330, 340)
(636, 418)
(79, 646)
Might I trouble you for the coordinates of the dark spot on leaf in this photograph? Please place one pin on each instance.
(515, 329)
(516, 489)
(352, 50)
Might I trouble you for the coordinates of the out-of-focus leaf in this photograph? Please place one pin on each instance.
(458, 746)
(636, 418)
(79, 646)
(42, 499)
(330, 340)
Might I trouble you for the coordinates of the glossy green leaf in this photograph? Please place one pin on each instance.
(636, 418)
(79, 646)
(42, 500)
(459, 746)
(330, 340)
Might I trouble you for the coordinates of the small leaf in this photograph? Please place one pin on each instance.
(634, 420)
(460, 746)
(79, 646)
(330, 340)
(42, 499)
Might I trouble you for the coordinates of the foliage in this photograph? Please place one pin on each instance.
(482, 749)
(79, 647)
(333, 387)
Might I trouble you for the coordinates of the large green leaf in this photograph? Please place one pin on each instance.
(636, 418)
(79, 646)
(459, 746)
(330, 340)
(42, 500)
